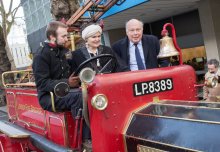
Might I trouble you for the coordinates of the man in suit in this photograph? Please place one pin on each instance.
(137, 50)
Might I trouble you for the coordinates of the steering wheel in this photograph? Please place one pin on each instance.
(104, 63)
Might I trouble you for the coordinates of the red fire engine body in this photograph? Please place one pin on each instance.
(125, 92)
(138, 111)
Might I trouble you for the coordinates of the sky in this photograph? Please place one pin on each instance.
(17, 34)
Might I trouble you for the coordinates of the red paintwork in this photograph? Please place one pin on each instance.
(106, 126)
(9, 145)
(24, 110)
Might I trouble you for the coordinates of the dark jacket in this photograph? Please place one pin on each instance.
(81, 55)
(151, 49)
(50, 67)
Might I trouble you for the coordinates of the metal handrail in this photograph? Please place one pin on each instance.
(27, 75)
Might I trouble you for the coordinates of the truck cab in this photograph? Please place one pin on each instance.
(112, 101)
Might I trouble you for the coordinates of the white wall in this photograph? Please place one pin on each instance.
(209, 17)
(20, 53)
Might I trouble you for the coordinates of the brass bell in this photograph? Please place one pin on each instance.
(167, 48)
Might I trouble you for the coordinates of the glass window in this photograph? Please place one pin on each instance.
(47, 12)
(32, 5)
(29, 24)
(26, 9)
(39, 3)
(46, 1)
(41, 17)
(35, 21)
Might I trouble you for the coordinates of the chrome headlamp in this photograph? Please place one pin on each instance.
(99, 102)
(87, 75)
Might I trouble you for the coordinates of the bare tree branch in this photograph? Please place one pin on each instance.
(7, 20)
(21, 17)
(15, 10)
(1, 10)
(13, 13)
(10, 6)
(9, 27)
(2, 6)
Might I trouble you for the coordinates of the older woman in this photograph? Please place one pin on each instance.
(92, 36)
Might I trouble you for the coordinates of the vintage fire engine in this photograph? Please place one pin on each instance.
(149, 110)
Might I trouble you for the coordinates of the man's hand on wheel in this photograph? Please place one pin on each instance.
(73, 81)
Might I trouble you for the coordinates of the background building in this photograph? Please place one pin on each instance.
(196, 21)
(37, 15)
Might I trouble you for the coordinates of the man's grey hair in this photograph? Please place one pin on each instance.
(213, 62)
(126, 24)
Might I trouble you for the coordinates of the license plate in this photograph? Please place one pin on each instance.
(154, 86)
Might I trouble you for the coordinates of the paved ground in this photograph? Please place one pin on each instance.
(3, 108)
(3, 113)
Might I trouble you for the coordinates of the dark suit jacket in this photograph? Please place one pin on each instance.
(81, 55)
(151, 49)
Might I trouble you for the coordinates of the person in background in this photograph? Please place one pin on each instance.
(92, 36)
(51, 68)
(209, 93)
(137, 50)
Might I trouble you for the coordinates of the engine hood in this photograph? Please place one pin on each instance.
(174, 126)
